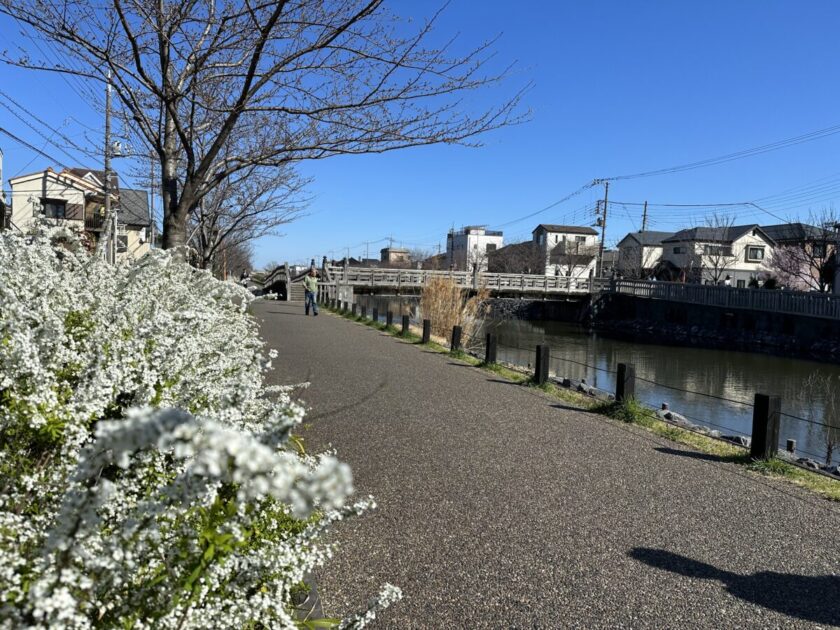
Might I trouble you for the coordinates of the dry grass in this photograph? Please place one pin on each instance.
(447, 305)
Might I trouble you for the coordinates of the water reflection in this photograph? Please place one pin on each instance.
(711, 387)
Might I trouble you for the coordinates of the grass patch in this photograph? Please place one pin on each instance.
(504, 372)
(629, 411)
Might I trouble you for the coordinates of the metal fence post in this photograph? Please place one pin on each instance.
(456, 338)
(765, 429)
(404, 330)
(364, 312)
(354, 309)
(625, 382)
(375, 317)
(490, 349)
(389, 319)
(541, 367)
(427, 330)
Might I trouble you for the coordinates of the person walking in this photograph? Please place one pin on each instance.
(310, 284)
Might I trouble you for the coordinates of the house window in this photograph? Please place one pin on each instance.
(491, 247)
(54, 208)
(818, 250)
(678, 250)
(717, 250)
(122, 243)
(755, 254)
(580, 239)
(742, 284)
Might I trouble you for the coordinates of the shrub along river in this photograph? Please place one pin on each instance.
(714, 388)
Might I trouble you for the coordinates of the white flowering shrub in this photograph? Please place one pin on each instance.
(145, 476)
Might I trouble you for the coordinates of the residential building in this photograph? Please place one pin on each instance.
(394, 256)
(640, 253)
(711, 254)
(567, 250)
(75, 197)
(469, 248)
(805, 255)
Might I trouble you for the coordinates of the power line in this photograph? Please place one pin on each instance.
(32, 147)
(548, 207)
(729, 157)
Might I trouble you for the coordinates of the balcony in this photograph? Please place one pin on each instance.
(94, 221)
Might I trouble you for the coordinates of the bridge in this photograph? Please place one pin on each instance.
(340, 282)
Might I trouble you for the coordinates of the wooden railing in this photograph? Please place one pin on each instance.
(500, 282)
(811, 303)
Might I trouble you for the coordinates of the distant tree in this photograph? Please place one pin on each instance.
(216, 88)
(718, 255)
(573, 259)
(241, 210)
(525, 257)
(233, 259)
(809, 265)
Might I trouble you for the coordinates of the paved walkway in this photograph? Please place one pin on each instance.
(502, 508)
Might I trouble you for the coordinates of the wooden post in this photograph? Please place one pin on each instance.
(375, 317)
(364, 312)
(389, 318)
(625, 382)
(456, 338)
(427, 330)
(541, 367)
(765, 429)
(490, 349)
(354, 309)
(404, 330)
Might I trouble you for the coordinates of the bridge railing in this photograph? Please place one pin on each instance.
(372, 277)
(811, 303)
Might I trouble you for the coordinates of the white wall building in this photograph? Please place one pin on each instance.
(709, 255)
(468, 249)
(570, 251)
(75, 197)
(640, 253)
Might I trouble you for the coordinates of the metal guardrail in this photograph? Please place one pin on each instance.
(811, 303)
(510, 282)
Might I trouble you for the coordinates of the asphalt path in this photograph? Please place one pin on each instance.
(500, 507)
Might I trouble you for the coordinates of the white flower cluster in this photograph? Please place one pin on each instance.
(145, 476)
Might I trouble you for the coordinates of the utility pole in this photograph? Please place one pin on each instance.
(105, 239)
(603, 229)
(644, 217)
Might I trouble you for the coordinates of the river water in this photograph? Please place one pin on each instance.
(714, 388)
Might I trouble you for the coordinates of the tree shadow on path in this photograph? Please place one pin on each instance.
(811, 598)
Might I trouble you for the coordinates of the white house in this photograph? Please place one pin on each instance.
(640, 253)
(469, 248)
(710, 254)
(75, 196)
(568, 250)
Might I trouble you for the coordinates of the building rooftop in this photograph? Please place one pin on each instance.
(795, 232)
(649, 237)
(566, 229)
(725, 234)
(134, 207)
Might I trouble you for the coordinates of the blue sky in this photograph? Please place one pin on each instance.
(618, 87)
